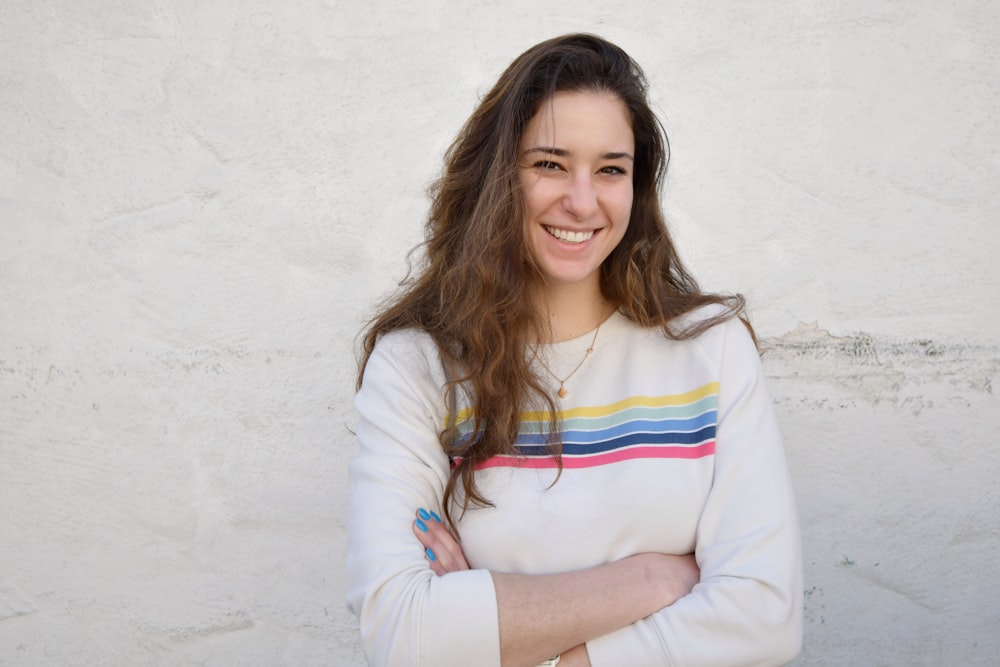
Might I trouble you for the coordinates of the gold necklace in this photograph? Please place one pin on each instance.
(563, 393)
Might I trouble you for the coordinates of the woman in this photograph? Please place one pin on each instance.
(583, 435)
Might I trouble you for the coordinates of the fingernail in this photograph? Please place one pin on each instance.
(421, 525)
(430, 553)
(435, 517)
(422, 513)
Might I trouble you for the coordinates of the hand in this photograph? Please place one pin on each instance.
(441, 550)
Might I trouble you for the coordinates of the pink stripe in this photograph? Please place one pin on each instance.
(624, 454)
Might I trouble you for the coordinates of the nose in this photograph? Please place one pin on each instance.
(580, 198)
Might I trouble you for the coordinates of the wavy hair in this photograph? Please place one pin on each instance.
(471, 293)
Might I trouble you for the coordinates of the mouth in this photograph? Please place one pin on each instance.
(567, 236)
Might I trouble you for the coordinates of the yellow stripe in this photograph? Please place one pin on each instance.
(603, 410)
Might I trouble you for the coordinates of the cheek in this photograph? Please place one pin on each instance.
(529, 198)
(540, 196)
(624, 207)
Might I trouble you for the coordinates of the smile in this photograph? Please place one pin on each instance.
(570, 237)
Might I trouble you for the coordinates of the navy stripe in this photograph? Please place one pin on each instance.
(570, 448)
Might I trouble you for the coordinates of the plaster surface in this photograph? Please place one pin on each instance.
(202, 202)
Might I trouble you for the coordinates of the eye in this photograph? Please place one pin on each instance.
(547, 165)
(613, 170)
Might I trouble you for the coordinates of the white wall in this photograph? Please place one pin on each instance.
(201, 201)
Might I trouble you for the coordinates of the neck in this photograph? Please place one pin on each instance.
(571, 310)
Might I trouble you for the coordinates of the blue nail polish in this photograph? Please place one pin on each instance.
(422, 513)
(430, 554)
(421, 525)
(435, 517)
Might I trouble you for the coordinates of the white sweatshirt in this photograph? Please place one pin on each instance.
(668, 446)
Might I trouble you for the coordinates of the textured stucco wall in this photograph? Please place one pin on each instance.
(201, 201)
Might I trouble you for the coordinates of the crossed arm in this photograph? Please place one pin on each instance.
(545, 615)
(742, 605)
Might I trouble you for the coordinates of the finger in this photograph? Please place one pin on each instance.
(455, 556)
(434, 536)
(432, 545)
(433, 562)
(423, 534)
(448, 550)
(434, 541)
(426, 515)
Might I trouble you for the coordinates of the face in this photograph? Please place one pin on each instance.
(577, 157)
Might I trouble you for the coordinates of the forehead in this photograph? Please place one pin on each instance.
(581, 116)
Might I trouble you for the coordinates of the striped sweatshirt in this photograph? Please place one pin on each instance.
(667, 446)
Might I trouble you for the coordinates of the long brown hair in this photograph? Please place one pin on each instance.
(471, 293)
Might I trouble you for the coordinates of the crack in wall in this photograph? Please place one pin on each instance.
(874, 368)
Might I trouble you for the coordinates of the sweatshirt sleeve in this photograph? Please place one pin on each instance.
(747, 608)
(407, 615)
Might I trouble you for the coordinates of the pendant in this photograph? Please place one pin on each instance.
(562, 391)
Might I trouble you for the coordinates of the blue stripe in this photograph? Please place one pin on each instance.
(623, 429)
(571, 448)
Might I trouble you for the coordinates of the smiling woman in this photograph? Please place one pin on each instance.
(576, 179)
(566, 448)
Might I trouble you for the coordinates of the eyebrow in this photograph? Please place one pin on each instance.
(562, 152)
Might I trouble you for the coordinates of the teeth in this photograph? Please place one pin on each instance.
(570, 237)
